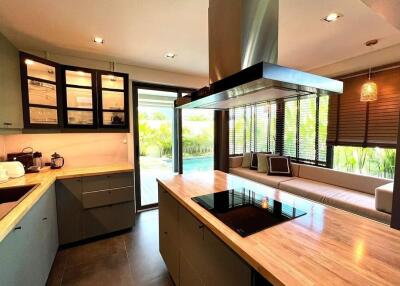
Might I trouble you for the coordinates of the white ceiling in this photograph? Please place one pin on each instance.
(140, 32)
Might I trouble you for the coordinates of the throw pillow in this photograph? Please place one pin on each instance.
(246, 160)
(262, 162)
(279, 166)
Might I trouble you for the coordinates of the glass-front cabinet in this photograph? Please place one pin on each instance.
(67, 97)
(40, 83)
(80, 108)
(113, 99)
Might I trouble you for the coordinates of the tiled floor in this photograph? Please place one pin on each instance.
(130, 258)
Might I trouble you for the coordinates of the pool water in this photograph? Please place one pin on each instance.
(198, 164)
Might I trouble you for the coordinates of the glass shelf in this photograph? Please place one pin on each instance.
(40, 71)
(42, 93)
(80, 117)
(79, 78)
(41, 115)
(79, 97)
(113, 100)
(111, 118)
(111, 81)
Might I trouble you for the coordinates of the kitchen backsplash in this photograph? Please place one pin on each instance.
(78, 150)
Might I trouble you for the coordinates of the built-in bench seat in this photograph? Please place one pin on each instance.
(351, 192)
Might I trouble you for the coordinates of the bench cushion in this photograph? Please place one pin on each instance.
(346, 199)
(361, 183)
(272, 181)
(384, 198)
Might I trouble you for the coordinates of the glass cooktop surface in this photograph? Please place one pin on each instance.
(247, 212)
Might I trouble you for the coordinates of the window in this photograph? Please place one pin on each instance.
(376, 161)
(305, 129)
(252, 128)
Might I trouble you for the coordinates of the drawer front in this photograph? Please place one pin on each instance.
(107, 197)
(107, 219)
(103, 182)
(95, 183)
(119, 180)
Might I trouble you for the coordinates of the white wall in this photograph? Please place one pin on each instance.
(91, 149)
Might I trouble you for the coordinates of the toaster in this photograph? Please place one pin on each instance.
(14, 169)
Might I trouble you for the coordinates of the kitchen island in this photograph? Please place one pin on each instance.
(327, 246)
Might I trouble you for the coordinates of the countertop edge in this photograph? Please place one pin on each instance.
(8, 222)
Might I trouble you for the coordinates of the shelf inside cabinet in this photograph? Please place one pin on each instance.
(40, 89)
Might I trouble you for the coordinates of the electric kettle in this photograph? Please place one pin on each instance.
(56, 161)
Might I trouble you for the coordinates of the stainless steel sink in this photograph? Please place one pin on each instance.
(14, 194)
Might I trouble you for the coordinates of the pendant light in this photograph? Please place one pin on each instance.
(369, 90)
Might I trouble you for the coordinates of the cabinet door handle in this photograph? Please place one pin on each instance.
(7, 124)
(18, 228)
(165, 232)
(45, 218)
(201, 226)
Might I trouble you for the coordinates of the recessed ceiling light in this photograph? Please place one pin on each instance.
(28, 62)
(170, 55)
(98, 40)
(332, 17)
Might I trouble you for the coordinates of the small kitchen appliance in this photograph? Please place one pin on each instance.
(57, 161)
(247, 212)
(25, 157)
(13, 169)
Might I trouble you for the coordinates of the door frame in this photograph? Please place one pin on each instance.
(178, 162)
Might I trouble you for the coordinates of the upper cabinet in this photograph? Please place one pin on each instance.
(113, 99)
(71, 98)
(10, 88)
(40, 84)
(80, 97)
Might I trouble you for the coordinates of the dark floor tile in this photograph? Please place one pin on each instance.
(130, 258)
(92, 251)
(111, 270)
(57, 270)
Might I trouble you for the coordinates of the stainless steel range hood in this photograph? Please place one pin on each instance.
(243, 52)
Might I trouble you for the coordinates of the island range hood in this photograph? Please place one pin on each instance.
(243, 52)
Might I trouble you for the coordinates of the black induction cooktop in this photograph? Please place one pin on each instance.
(246, 212)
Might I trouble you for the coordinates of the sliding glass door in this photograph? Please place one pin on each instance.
(157, 139)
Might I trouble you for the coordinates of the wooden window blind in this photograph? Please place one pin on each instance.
(372, 124)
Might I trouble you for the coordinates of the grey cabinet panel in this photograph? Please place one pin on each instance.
(69, 209)
(191, 242)
(119, 180)
(95, 183)
(94, 205)
(107, 219)
(188, 276)
(224, 267)
(10, 87)
(107, 197)
(103, 182)
(27, 253)
(168, 232)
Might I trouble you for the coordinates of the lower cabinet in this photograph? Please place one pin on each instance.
(203, 259)
(94, 205)
(27, 253)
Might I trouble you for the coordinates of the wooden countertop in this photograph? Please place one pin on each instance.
(327, 246)
(44, 180)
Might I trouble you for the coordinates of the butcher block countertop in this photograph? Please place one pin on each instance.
(327, 246)
(44, 180)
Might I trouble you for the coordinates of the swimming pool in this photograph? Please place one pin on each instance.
(198, 164)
